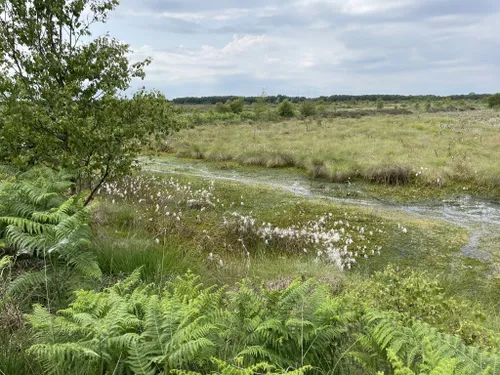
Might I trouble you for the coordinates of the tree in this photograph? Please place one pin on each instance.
(308, 108)
(494, 101)
(62, 93)
(285, 109)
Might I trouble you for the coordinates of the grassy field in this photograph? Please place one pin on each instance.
(431, 151)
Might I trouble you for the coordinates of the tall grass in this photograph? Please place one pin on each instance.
(435, 150)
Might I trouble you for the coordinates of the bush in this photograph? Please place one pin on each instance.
(308, 108)
(285, 109)
(494, 101)
(247, 115)
(222, 108)
(380, 103)
(197, 117)
(419, 296)
(259, 107)
(237, 105)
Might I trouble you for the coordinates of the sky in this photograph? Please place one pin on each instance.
(312, 47)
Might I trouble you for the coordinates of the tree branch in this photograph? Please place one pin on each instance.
(101, 181)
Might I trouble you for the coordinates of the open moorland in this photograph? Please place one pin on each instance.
(428, 151)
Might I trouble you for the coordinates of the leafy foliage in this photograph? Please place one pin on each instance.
(60, 96)
(417, 295)
(186, 328)
(285, 109)
(308, 108)
(135, 329)
(494, 101)
(224, 368)
(417, 348)
(237, 105)
(38, 222)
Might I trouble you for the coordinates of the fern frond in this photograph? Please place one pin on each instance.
(28, 281)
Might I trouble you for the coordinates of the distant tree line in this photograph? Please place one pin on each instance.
(329, 99)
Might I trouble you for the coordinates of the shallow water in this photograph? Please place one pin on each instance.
(480, 217)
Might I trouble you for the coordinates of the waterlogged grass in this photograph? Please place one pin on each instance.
(203, 236)
(431, 151)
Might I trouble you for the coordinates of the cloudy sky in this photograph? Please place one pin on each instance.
(313, 47)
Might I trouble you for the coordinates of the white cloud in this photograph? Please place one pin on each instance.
(207, 63)
(239, 45)
(222, 15)
(373, 6)
(405, 46)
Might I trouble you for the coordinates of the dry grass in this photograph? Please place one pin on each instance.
(428, 149)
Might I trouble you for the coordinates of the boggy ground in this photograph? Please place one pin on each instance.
(174, 219)
(429, 152)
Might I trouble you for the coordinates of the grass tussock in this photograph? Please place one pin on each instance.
(266, 159)
(390, 175)
(279, 160)
(252, 158)
(218, 157)
(343, 176)
(190, 151)
(318, 169)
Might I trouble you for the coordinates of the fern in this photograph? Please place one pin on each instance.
(225, 368)
(5, 262)
(187, 325)
(38, 221)
(422, 349)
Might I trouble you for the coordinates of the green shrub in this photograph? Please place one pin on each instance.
(285, 109)
(494, 101)
(379, 103)
(197, 117)
(237, 105)
(248, 115)
(409, 348)
(259, 107)
(49, 232)
(222, 108)
(308, 108)
(417, 295)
